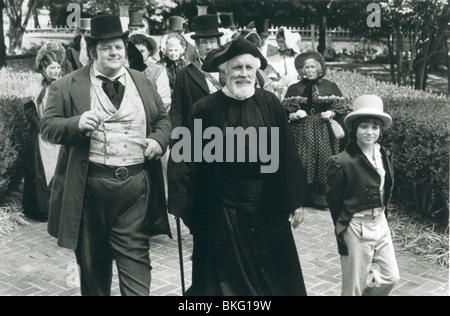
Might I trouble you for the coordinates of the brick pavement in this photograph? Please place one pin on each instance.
(32, 264)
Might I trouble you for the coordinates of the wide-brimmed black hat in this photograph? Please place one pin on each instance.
(206, 26)
(301, 58)
(106, 26)
(238, 46)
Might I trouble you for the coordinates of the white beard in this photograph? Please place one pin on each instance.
(240, 92)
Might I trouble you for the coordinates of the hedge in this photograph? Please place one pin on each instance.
(419, 137)
(13, 127)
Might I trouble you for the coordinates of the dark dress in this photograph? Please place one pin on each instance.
(36, 192)
(243, 243)
(172, 67)
(313, 135)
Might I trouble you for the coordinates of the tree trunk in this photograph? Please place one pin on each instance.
(390, 43)
(16, 27)
(2, 38)
(399, 56)
(447, 63)
(322, 34)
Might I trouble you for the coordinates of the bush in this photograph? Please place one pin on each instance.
(13, 128)
(419, 139)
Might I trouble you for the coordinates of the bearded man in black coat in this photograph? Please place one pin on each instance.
(240, 204)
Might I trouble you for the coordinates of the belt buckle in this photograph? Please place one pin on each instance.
(121, 173)
(312, 111)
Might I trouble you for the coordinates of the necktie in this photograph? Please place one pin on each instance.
(113, 89)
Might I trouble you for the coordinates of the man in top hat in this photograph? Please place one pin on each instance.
(137, 25)
(192, 83)
(239, 212)
(73, 60)
(108, 192)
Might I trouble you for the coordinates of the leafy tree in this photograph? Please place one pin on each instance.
(19, 13)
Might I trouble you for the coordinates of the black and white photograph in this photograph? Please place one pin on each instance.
(224, 153)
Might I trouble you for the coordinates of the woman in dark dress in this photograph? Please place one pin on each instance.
(40, 155)
(310, 103)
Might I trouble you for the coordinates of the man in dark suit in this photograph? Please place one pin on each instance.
(192, 83)
(108, 195)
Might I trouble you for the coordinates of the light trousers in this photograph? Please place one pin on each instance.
(370, 269)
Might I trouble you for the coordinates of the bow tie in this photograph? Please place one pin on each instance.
(113, 89)
(288, 52)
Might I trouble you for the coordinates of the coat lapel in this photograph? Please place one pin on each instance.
(142, 86)
(80, 90)
(198, 77)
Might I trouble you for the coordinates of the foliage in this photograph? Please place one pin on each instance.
(420, 237)
(11, 215)
(13, 127)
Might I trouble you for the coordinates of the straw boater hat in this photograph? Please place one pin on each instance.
(302, 58)
(238, 46)
(106, 26)
(206, 26)
(368, 105)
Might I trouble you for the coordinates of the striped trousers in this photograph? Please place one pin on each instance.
(114, 227)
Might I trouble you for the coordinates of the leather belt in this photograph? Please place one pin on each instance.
(120, 173)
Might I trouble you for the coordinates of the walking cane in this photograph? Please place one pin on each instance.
(180, 254)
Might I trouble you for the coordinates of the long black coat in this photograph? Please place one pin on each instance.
(68, 99)
(282, 193)
(190, 87)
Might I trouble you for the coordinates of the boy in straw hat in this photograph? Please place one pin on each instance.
(359, 186)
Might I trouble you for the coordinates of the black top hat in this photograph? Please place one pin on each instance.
(227, 21)
(106, 26)
(262, 27)
(238, 46)
(176, 24)
(136, 19)
(206, 26)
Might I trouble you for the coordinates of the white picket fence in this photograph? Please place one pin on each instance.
(339, 39)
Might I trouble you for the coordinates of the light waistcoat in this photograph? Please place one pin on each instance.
(120, 139)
